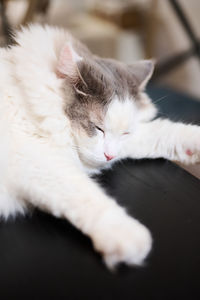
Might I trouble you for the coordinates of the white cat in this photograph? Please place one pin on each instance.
(66, 114)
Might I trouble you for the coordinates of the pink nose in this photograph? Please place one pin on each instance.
(108, 157)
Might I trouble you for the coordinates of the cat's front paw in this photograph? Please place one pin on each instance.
(189, 150)
(122, 239)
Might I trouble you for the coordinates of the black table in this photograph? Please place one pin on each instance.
(42, 257)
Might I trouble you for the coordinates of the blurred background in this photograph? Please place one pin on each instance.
(123, 29)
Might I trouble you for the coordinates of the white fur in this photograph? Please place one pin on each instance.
(45, 163)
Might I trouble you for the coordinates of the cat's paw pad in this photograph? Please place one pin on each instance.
(126, 241)
(189, 153)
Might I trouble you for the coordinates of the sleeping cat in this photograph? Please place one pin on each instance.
(66, 114)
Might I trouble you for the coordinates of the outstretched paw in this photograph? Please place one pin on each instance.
(122, 240)
(189, 152)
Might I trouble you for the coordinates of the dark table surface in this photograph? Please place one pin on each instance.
(42, 257)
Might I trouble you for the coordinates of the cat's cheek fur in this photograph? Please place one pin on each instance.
(147, 110)
(91, 149)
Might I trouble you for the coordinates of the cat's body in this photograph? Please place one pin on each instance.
(66, 114)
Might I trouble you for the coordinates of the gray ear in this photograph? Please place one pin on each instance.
(142, 71)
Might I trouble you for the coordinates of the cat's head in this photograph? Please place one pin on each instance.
(105, 102)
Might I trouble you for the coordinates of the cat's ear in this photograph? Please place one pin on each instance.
(67, 63)
(142, 71)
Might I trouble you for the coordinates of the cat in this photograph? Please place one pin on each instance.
(66, 114)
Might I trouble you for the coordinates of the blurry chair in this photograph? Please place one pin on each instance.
(33, 7)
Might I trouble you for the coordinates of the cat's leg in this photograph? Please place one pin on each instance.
(163, 138)
(52, 182)
(10, 205)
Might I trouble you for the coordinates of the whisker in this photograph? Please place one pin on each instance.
(160, 99)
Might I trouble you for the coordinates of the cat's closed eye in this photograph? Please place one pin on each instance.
(100, 129)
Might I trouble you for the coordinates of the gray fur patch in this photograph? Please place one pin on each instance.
(99, 82)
